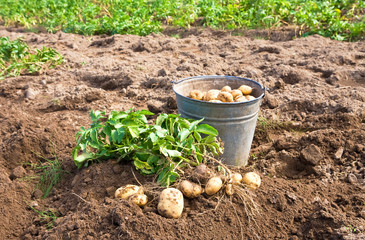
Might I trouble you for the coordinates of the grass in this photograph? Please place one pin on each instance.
(338, 19)
(264, 125)
(17, 58)
(48, 174)
(47, 216)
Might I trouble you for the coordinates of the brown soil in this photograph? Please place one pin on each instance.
(310, 152)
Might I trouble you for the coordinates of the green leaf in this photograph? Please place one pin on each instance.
(121, 134)
(146, 112)
(183, 134)
(197, 136)
(207, 129)
(195, 123)
(170, 138)
(94, 135)
(161, 118)
(120, 115)
(213, 149)
(134, 131)
(173, 153)
(209, 139)
(153, 137)
(140, 165)
(80, 159)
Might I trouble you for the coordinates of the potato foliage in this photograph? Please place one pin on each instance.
(162, 148)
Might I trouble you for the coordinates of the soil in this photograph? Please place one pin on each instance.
(310, 150)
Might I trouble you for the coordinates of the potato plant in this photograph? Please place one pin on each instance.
(162, 148)
(17, 58)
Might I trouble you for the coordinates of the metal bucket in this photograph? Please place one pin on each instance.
(235, 122)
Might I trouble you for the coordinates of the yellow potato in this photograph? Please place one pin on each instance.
(236, 178)
(241, 99)
(127, 191)
(190, 189)
(196, 94)
(250, 97)
(236, 93)
(139, 199)
(229, 189)
(171, 203)
(252, 180)
(225, 97)
(213, 185)
(212, 95)
(245, 89)
(226, 89)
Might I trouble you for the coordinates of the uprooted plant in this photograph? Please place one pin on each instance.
(163, 148)
(16, 58)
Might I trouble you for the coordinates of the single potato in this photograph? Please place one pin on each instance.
(226, 89)
(241, 99)
(236, 178)
(213, 185)
(190, 189)
(245, 89)
(171, 203)
(196, 94)
(139, 199)
(252, 180)
(236, 93)
(225, 97)
(127, 191)
(250, 97)
(212, 95)
(229, 189)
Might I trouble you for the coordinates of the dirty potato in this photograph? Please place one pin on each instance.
(226, 89)
(196, 94)
(171, 203)
(212, 95)
(252, 180)
(236, 93)
(241, 99)
(246, 90)
(139, 199)
(213, 185)
(236, 178)
(250, 97)
(189, 189)
(225, 97)
(229, 189)
(127, 191)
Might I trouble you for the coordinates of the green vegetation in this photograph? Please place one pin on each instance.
(264, 125)
(17, 58)
(47, 217)
(48, 174)
(163, 148)
(338, 19)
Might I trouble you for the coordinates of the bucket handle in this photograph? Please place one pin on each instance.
(178, 81)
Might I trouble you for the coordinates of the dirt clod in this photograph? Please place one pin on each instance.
(311, 154)
(18, 172)
(37, 194)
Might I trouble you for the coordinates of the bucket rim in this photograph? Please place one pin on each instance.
(174, 83)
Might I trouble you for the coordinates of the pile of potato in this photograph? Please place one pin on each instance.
(171, 200)
(226, 94)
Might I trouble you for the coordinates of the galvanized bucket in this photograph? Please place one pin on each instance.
(235, 122)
